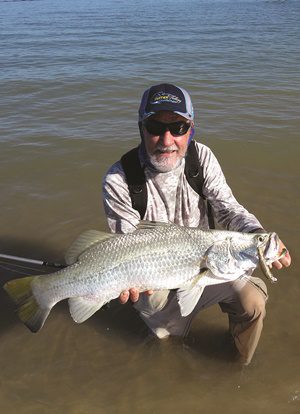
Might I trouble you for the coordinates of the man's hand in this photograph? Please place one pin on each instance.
(285, 260)
(132, 294)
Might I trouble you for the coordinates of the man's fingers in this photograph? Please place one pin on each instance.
(134, 295)
(123, 298)
(284, 261)
(277, 264)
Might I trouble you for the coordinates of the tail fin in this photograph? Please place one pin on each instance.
(27, 307)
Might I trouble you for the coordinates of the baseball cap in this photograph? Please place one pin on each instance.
(166, 97)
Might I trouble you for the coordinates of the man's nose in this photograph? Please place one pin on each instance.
(167, 139)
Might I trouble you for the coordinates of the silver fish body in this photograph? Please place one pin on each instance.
(156, 256)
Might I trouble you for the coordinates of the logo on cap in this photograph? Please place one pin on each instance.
(163, 97)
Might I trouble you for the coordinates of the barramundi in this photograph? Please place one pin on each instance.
(155, 256)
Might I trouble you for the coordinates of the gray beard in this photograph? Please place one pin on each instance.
(163, 165)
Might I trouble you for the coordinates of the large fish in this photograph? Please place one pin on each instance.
(155, 256)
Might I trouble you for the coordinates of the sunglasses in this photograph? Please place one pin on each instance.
(159, 128)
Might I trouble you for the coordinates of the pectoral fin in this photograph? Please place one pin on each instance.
(189, 297)
(82, 308)
(219, 259)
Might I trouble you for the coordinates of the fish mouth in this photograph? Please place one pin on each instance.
(268, 253)
(265, 267)
(271, 249)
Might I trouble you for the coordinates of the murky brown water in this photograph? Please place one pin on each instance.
(72, 75)
(108, 364)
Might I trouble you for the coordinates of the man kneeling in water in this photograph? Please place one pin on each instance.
(167, 194)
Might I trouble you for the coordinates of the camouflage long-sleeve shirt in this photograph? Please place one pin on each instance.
(171, 198)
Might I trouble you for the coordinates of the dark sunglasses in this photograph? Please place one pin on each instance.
(159, 128)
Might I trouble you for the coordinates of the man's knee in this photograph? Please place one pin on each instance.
(252, 302)
(248, 304)
(255, 307)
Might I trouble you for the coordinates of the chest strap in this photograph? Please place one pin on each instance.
(136, 180)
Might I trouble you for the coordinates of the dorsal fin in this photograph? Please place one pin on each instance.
(83, 242)
(147, 224)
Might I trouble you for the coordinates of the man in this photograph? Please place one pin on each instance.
(166, 122)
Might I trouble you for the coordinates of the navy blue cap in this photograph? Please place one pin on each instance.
(166, 97)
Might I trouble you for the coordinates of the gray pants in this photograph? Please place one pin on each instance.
(243, 300)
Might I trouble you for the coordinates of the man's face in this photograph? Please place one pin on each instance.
(166, 150)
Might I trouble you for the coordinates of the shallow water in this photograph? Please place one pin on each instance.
(72, 74)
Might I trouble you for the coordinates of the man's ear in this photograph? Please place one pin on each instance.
(192, 133)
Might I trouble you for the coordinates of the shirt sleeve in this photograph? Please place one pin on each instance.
(228, 212)
(121, 217)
